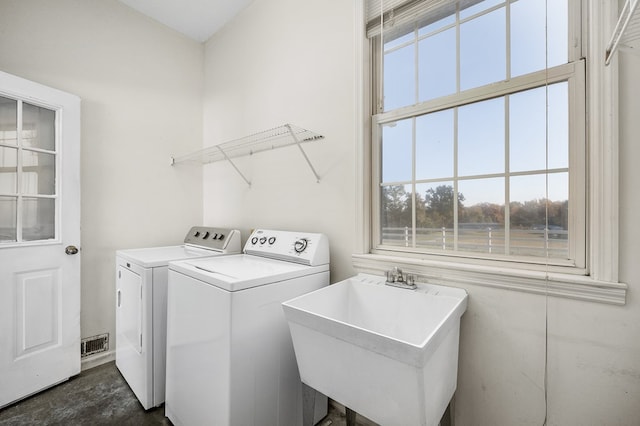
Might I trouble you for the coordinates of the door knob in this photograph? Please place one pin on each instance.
(71, 250)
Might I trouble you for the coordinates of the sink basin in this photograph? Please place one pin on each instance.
(387, 353)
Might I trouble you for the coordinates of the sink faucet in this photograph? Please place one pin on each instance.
(396, 278)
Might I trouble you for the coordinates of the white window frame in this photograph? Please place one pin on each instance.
(598, 280)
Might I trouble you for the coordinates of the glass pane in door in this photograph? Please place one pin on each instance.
(38, 127)
(8, 170)
(38, 173)
(8, 121)
(38, 216)
(8, 208)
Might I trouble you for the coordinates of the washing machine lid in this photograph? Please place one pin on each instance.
(161, 256)
(243, 271)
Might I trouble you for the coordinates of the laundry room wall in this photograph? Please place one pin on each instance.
(141, 86)
(285, 61)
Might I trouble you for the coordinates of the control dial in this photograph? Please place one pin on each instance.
(300, 245)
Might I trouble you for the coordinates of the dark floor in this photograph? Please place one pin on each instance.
(98, 396)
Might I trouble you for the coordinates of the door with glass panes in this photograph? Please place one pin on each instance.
(39, 237)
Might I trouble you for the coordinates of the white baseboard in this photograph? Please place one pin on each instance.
(97, 359)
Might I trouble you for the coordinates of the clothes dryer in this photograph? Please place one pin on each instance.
(141, 306)
(230, 359)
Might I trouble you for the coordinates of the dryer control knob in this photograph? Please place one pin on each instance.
(254, 240)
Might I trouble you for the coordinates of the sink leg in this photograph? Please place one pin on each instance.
(308, 404)
(351, 416)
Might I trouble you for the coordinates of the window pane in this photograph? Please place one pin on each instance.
(38, 173)
(38, 219)
(558, 125)
(559, 191)
(559, 215)
(391, 42)
(530, 214)
(8, 121)
(437, 65)
(399, 78)
(477, 7)
(527, 130)
(8, 170)
(8, 208)
(434, 145)
(528, 44)
(481, 215)
(440, 23)
(558, 32)
(434, 215)
(527, 213)
(397, 139)
(483, 50)
(481, 138)
(395, 215)
(38, 127)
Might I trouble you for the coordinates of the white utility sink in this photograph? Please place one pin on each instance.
(387, 353)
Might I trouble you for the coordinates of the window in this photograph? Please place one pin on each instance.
(28, 191)
(478, 132)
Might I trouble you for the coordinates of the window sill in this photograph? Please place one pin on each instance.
(576, 287)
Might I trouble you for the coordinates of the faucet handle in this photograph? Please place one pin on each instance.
(395, 275)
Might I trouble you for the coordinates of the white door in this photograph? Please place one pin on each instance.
(39, 237)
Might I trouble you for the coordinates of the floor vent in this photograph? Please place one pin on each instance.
(95, 344)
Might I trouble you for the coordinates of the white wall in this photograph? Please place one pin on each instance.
(141, 90)
(285, 61)
(290, 61)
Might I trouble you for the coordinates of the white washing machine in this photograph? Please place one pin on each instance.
(230, 359)
(141, 306)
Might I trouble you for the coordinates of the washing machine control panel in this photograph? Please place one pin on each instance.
(220, 239)
(300, 247)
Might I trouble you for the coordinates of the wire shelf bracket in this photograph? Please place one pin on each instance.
(278, 137)
(627, 22)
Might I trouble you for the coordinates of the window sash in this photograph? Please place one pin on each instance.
(573, 72)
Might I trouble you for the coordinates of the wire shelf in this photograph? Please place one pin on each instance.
(627, 28)
(278, 137)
